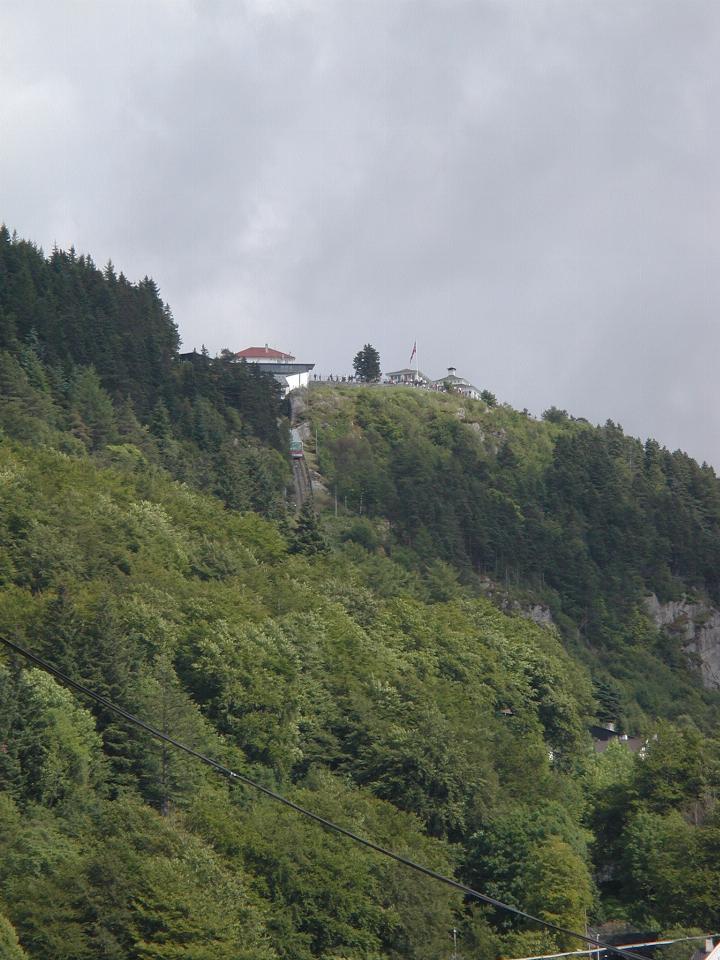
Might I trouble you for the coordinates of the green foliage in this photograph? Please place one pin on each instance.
(188, 904)
(656, 825)
(363, 532)
(10, 949)
(559, 886)
(88, 359)
(339, 667)
(340, 901)
(351, 662)
(366, 364)
(608, 697)
(554, 415)
(675, 770)
(51, 744)
(93, 408)
(165, 776)
(307, 538)
(586, 519)
(130, 886)
(679, 951)
(665, 854)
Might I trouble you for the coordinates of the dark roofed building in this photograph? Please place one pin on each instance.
(194, 357)
(605, 734)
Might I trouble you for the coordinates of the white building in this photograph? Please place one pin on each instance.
(407, 376)
(289, 374)
(457, 385)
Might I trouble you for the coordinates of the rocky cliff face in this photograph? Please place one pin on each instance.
(698, 626)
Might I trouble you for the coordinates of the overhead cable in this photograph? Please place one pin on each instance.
(624, 946)
(328, 824)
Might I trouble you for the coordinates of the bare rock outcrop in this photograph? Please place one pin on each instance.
(540, 615)
(697, 625)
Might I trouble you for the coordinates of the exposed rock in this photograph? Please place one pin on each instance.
(539, 614)
(698, 627)
(317, 483)
(298, 405)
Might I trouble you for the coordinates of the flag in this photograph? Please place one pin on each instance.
(414, 351)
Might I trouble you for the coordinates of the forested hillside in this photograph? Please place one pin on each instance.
(89, 361)
(360, 663)
(583, 519)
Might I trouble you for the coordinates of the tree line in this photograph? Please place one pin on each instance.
(352, 662)
(90, 360)
(583, 519)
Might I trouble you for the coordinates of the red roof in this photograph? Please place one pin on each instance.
(263, 353)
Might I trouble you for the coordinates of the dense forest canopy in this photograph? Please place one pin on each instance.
(85, 352)
(376, 665)
(583, 519)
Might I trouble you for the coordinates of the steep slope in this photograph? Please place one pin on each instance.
(303, 669)
(354, 661)
(352, 682)
(89, 360)
(581, 519)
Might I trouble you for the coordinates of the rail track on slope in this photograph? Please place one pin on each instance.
(301, 482)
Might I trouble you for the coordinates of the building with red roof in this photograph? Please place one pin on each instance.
(289, 374)
(264, 354)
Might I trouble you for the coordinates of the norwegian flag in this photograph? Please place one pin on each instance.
(414, 351)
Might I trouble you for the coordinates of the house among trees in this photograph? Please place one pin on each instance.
(289, 374)
(407, 376)
(457, 385)
(605, 734)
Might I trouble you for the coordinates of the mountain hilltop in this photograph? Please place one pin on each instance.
(601, 529)
(373, 661)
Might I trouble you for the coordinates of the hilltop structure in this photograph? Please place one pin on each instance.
(457, 385)
(283, 366)
(264, 354)
(407, 376)
(412, 377)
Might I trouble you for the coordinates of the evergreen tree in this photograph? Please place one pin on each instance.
(10, 949)
(167, 776)
(367, 364)
(307, 538)
(94, 407)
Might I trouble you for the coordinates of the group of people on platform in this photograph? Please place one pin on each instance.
(424, 384)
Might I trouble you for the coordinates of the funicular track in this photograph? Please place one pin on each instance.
(301, 482)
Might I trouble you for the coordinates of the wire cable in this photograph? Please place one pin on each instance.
(328, 824)
(624, 946)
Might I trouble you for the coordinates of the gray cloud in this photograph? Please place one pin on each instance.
(528, 188)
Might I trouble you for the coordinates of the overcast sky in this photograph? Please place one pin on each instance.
(528, 189)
